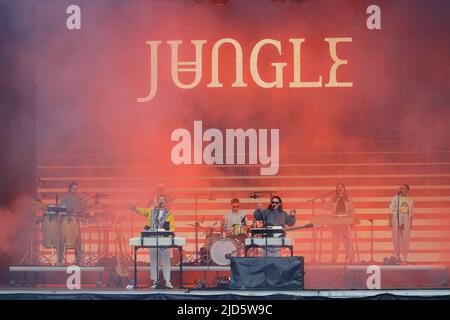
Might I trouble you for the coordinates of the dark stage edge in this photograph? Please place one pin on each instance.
(211, 294)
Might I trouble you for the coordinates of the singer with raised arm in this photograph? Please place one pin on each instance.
(401, 209)
(341, 206)
(158, 218)
(274, 216)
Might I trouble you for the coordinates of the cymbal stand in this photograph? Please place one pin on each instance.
(33, 255)
(196, 224)
(92, 259)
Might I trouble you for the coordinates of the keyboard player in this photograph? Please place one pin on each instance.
(274, 216)
(340, 205)
(158, 218)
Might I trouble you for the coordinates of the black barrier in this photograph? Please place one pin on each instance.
(271, 273)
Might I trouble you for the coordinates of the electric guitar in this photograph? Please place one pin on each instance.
(306, 226)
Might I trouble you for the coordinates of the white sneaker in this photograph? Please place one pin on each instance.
(169, 285)
(154, 285)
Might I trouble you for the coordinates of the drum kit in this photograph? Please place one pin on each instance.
(221, 245)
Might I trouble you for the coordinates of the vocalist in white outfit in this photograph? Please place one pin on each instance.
(401, 208)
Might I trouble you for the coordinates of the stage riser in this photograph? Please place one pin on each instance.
(390, 279)
(315, 278)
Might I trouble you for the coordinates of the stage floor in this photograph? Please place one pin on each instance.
(211, 294)
(317, 277)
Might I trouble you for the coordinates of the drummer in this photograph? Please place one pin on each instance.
(75, 205)
(235, 220)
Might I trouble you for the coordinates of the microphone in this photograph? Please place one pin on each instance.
(254, 195)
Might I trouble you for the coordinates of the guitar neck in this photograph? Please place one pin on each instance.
(306, 226)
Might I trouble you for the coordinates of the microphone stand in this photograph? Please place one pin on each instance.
(196, 228)
(157, 249)
(371, 244)
(254, 196)
(398, 226)
(313, 201)
(266, 235)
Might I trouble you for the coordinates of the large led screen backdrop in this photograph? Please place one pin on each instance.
(246, 100)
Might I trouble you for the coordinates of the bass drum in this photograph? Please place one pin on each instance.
(50, 231)
(70, 231)
(221, 249)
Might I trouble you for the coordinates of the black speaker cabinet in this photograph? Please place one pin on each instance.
(267, 273)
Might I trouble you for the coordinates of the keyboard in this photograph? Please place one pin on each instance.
(268, 232)
(270, 241)
(162, 242)
(159, 233)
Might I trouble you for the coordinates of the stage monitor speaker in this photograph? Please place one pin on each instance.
(267, 273)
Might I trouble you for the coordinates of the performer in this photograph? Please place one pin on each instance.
(235, 217)
(76, 206)
(160, 189)
(158, 217)
(341, 205)
(274, 216)
(401, 208)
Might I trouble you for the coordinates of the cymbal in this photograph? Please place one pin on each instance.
(211, 228)
(193, 225)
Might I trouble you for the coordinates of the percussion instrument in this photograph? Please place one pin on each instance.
(50, 229)
(58, 223)
(70, 231)
(238, 229)
(62, 210)
(212, 237)
(221, 249)
(51, 210)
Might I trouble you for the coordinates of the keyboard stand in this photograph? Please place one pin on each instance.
(282, 245)
(180, 250)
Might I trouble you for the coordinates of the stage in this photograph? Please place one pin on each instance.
(311, 131)
(54, 293)
(322, 278)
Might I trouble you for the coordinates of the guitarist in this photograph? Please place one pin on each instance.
(274, 215)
